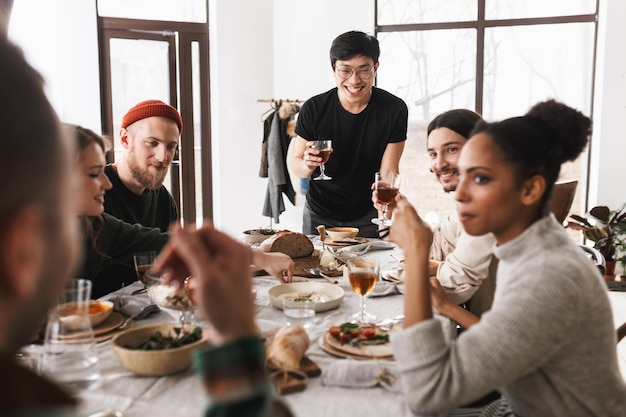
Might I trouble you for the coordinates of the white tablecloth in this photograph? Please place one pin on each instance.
(182, 394)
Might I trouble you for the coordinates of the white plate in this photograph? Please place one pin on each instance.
(329, 296)
(394, 274)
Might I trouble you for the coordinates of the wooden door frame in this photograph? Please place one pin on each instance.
(181, 88)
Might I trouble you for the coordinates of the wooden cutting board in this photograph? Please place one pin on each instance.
(287, 383)
(301, 265)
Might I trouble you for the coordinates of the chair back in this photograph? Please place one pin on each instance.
(562, 198)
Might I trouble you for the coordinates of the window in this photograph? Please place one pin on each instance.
(497, 57)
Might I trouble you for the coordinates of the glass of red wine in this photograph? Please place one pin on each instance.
(143, 262)
(387, 187)
(326, 148)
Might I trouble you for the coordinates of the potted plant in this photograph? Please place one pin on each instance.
(607, 229)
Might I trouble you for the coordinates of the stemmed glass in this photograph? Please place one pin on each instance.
(143, 262)
(326, 148)
(363, 275)
(172, 296)
(387, 187)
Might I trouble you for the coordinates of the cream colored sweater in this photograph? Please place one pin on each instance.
(548, 343)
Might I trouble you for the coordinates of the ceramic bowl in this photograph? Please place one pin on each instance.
(339, 233)
(254, 236)
(99, 311)
(153, 362)
(71, 315)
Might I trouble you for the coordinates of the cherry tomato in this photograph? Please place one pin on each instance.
(355, 332)
(345, 337)
(369, 332)
(334, 331)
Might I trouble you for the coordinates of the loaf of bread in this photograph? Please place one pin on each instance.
(294, 244)
(288, 347)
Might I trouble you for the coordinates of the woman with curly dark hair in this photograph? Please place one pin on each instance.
(548, 342)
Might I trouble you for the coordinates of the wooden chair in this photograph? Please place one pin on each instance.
(562, 198)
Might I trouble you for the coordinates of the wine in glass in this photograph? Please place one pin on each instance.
(387, 187)
(143, 262)
(363, 275)
(326, 148)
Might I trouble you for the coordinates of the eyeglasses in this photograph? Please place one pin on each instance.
(362, 73)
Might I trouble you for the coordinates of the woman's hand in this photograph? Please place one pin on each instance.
(438, 297)
(408, 229)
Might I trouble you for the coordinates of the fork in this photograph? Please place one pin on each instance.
(145, 311)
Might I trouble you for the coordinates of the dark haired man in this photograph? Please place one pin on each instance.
(368, 128)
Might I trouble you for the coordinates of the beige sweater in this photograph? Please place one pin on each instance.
(469, 268)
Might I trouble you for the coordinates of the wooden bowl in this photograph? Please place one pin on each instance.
(153, 362)
(339, 233)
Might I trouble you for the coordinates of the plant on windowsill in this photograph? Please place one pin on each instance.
(607, 229)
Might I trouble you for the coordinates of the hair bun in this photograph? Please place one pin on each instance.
(570, 127)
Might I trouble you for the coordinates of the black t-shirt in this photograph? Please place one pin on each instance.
(359, 142)
(156, 208)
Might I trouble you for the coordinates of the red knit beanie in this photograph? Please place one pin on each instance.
(150, 108)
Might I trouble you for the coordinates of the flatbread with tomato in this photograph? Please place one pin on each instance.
(357, 341)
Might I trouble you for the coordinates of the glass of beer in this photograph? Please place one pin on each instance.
(326, 148)
(363, 275)
(387, 188)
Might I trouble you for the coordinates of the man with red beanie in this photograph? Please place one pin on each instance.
(149, 136)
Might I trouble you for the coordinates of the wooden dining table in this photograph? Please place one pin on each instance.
(182, 394)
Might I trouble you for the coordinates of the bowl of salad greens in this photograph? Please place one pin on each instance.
(158, 349)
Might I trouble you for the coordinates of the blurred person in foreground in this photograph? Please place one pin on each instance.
(39, 238)
(545, 357)
(367, 126)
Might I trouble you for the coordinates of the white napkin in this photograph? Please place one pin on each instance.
(128, 306)
(383, 289)
(373, 245)
(352, 373)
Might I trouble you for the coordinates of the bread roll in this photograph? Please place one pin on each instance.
(294, 244)
(288, 347)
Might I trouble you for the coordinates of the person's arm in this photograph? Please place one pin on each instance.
(277, 264)
(414, 236)
(232, 367)
(444, 306)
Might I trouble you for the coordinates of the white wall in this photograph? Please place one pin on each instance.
(608, 164)
(65, 51)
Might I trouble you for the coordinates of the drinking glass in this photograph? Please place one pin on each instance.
(172, 296)
(387, 187)
(69, 352)
(326, 148)
(143, 262)
(300, 312)
(363, 275)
